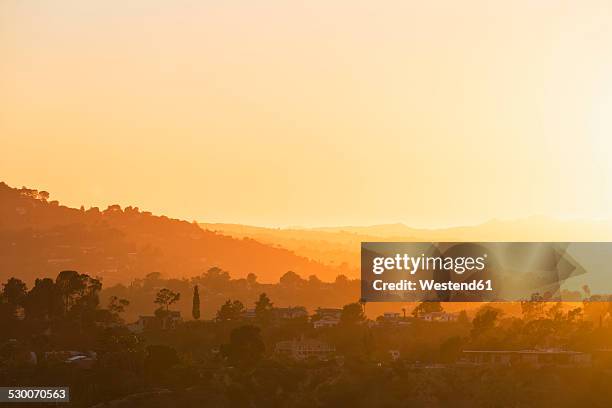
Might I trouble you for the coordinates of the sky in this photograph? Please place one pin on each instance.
(311, 113)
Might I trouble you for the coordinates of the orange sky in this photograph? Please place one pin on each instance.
(322, 113)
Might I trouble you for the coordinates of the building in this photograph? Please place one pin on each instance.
(250, 314)
(17, 353)
(394, 354)
(536, 358)
(303, 349)
(439, 317)
(391, 318)
(145, 323)
(286, 313)
(172, 319)
(326, 321)
(326, 317)
(328, 312)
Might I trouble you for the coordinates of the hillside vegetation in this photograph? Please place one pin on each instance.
(39, 237)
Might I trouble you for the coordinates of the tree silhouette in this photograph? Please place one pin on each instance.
(79, 292)
(215, 278)
(44, 300)
(195, 310)
(251, 279)
(263, 308)
(230, 311)
(352, 314)
(160, 358)
(166, 297)
(117, 305)
(14, 292)
(485, 320)
(290, 278)
(245, 347)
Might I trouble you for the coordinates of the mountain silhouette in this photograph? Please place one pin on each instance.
(39, 237)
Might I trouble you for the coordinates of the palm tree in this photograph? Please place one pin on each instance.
(363, 302)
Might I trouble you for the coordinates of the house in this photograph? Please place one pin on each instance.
(302, 349)
(20, 313)
(328, 312)
(286, 313)
(15, 352)
(326, 321)
(326, 317)
(170, 320)
(536, 358)
(250, 314)
(439, 317)
(145, 323)
(391, 318)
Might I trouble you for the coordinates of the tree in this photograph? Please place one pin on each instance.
(68, 285)
(463, 317)
(215, 278)
(424, 308)
(587, 291)
(352, 314)
(117, 305)
(166, 297)
(245, 347)
(534, 308)
(230, 311)
(485, 320)
(341, 280)
(263, 308)
(160, 358)
(79, 292)
(363, 302)
(313, 280)
(450, 349)
(195, 309)
(14, 292)
(290, 279)
(595, 308)
(43, 300)
(112, 313)
(251, 279)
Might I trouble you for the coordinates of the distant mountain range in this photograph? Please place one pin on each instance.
(40, 237)
(341, 245)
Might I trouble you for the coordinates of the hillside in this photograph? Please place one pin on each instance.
(39, 237)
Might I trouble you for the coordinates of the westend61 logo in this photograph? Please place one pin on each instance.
(475, 271)
(412, 264)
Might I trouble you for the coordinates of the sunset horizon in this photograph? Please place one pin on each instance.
(320, 204)
(320, 114)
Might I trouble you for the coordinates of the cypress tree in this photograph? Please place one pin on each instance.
(195, 312)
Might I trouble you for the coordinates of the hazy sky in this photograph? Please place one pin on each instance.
(311, 113)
